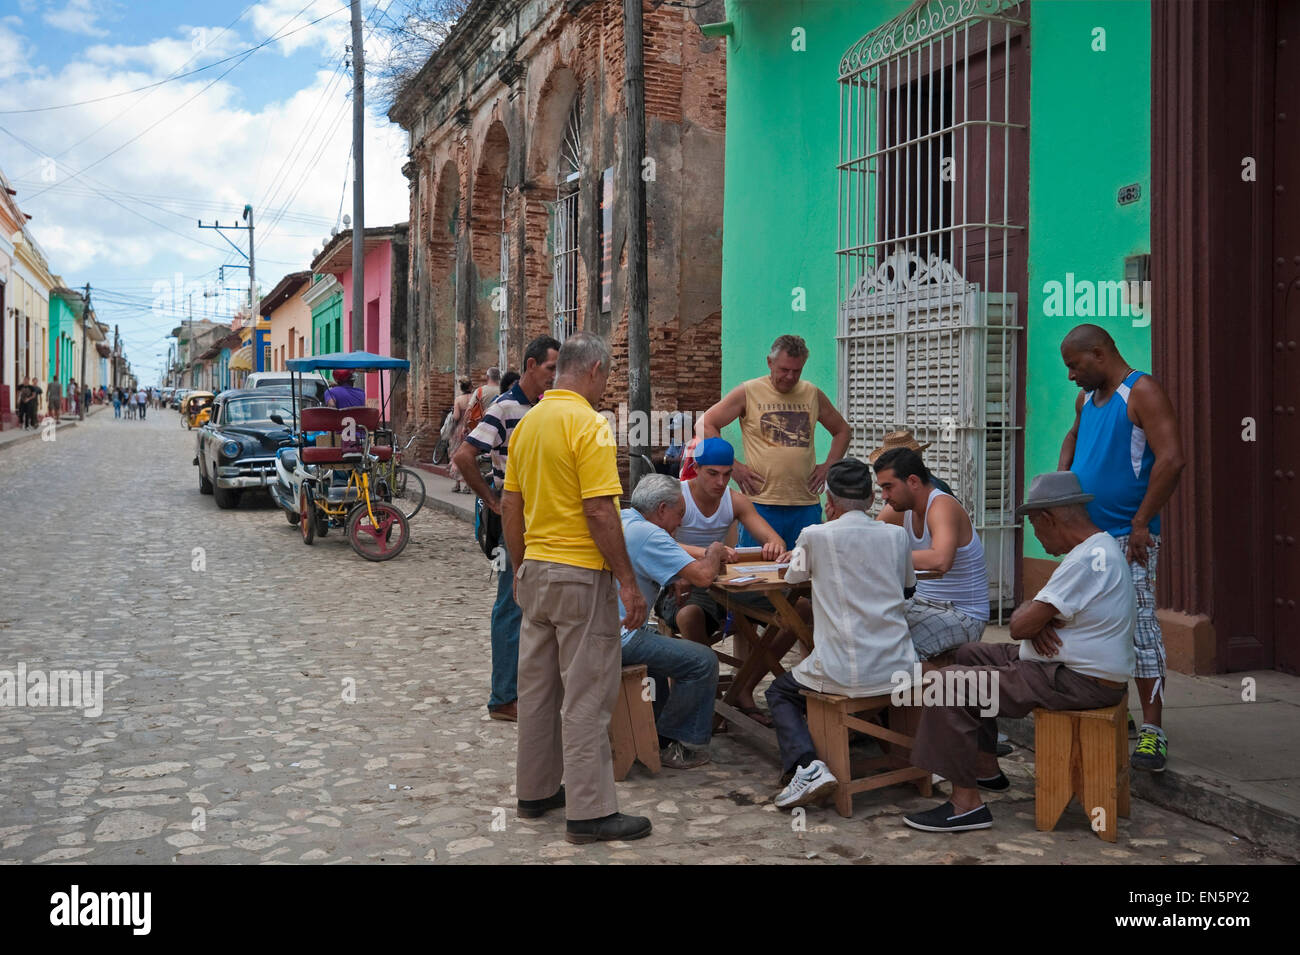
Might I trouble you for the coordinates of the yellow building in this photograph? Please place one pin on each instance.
(27, 314)
(290, 320)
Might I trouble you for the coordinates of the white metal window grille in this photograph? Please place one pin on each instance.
(565, 265)
(503, 317)
(928, 315)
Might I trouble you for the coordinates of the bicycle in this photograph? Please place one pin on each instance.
(403, 485)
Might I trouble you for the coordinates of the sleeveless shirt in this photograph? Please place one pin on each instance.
(698, 530)
(1113, 461)
(777, 431)
(966, 583)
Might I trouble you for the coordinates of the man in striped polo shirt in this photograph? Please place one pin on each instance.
(492, 436)
(1127, 452)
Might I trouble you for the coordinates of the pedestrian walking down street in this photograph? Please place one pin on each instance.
(563, 531)
(1127, 452)
(54, 399)
(117, 403)
(459, 407)
(142, 403)
(492, 436)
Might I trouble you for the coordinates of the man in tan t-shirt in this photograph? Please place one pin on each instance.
(778, 414)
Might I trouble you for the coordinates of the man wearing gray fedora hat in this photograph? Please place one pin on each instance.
(1075, 653)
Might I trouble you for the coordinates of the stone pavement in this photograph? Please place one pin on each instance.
(231, 654)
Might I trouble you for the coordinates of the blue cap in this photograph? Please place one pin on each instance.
(715, 452)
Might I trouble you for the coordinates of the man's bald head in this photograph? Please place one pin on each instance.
(1091, 357)
(1088, 338)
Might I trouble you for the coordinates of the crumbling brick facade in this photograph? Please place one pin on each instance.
(490, 118)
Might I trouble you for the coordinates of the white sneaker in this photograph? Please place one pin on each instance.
(809, 783)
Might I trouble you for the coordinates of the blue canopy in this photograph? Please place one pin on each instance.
(347, 359)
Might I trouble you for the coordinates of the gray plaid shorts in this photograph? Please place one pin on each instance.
(937, 626)
(1147, 638)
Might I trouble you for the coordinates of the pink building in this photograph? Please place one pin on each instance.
(384, 293)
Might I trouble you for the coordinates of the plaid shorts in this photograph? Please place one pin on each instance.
(937, 626)
(1147, 638)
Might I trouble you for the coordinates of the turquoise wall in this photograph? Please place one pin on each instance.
(1090, 134)
(326, 325)
(63, 325)
(780, 211)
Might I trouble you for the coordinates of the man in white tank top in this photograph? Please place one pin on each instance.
(711, 510)
(954, 609)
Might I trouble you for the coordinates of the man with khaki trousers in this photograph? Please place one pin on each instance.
(559, 511)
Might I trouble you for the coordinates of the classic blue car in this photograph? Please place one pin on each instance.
(236, 448)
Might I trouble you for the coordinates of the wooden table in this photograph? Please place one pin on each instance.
(761, 658)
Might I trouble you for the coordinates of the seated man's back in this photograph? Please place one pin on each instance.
(1093, 592)
(858, 568)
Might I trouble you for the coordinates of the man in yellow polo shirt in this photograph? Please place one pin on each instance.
(559, 511)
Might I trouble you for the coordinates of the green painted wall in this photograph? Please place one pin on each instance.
(1090, 134)
(326, 325)
(63, 326)
(780, 201)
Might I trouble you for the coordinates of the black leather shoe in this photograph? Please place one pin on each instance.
(615, 826)
(532, 808)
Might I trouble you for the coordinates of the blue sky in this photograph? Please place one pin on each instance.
(115, 186)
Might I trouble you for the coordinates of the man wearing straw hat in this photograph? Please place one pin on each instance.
(952, 610)
(1075, 653)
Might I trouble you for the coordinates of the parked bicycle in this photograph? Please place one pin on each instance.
(404, 485)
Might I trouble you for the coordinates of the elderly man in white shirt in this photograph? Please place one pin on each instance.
(860, 570)
(1075, 653)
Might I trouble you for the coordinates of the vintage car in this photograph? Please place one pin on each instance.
(236, 448)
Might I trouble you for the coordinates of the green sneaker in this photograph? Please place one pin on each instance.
(1151, 750)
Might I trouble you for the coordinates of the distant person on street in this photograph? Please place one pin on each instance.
(117, 403)
(779, 414)
(1127, 452)
(492, 437)
(54, 399)
(458, 410)
(565, 538)
(142, 403)
(344, 393)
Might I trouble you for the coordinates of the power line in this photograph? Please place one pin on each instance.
(181, 76)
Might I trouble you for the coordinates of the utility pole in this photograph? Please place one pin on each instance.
(252, 276)
(116, 346)
(358, 169)
(638, 280)
(85, 318)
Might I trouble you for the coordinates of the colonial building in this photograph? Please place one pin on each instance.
(290, 319)
(518, 216)
(948, 229)
(384, 291)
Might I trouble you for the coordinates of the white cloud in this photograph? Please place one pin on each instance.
(214, 155)
(77, 16)
(14, 49)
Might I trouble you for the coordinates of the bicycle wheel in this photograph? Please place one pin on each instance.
(440, 453)
(408, 491)
(382, 539)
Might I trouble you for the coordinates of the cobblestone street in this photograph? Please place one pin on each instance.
(227, 648)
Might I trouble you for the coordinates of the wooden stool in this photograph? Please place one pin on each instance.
(632, 734)
(829, 720)
(1082, 753)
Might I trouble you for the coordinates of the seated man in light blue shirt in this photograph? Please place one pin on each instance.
(684, 715)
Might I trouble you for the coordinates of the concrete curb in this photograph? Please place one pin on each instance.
(448, 507)
(1199, 798)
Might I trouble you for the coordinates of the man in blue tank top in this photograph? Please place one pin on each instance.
(1126, 450)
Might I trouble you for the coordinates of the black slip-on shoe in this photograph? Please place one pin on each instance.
(995, 784)
(946, 819)
(532, 808)
(615, 826)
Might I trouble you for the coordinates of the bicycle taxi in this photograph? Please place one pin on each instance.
(335, 475)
